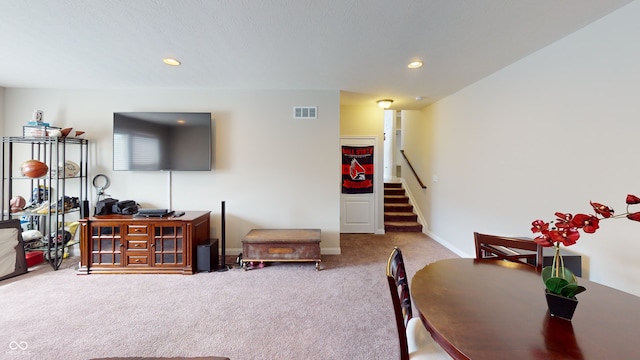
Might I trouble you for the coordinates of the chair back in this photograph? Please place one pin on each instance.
(399, 287)
(12, 259)
(508, 248)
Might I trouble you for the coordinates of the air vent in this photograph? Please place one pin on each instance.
(305, 112)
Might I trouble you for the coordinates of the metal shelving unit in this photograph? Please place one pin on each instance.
(53, 187)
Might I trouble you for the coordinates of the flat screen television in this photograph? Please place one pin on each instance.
(162, 141)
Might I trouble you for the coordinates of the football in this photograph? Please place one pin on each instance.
(71, 169)
(68, 169)
(64, 132)
(17, 203)
(34, 168)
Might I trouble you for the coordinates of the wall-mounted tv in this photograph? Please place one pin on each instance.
(168, 141)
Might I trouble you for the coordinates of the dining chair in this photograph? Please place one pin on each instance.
(416, 342)
(509, 249)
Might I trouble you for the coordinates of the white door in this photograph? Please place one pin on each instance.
(357, 211)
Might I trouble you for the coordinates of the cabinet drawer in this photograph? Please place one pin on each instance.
(137, 245)
(137, 229)
(135, 260)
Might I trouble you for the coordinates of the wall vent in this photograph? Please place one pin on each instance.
(305, 112)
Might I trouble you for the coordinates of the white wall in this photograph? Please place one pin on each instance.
(368, 121)
(1, 110)
(417, 150)
(272, 171)
(549, 133)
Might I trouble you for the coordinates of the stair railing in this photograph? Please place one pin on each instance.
(412, 170)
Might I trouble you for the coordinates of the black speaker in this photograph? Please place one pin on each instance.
(207, 256)
(85, 209)
(223, 236)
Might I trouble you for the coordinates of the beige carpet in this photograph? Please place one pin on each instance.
(165, 358)
(282, 311)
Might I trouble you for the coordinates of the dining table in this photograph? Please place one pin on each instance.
(495, 309)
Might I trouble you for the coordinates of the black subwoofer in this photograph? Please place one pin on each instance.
(207, 256)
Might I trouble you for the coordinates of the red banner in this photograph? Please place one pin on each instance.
(357, 169)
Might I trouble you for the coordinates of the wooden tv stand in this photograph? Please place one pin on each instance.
(117, 244)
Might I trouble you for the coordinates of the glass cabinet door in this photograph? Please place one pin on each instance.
(106, 244)
(169, 245)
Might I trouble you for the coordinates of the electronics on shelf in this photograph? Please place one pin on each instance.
(154, 212)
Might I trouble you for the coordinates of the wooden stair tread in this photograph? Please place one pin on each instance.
(396, 199)
(398, 205)
(401, 223)
(394, 191)
(392, 226)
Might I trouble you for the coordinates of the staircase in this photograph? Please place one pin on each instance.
(398, 213)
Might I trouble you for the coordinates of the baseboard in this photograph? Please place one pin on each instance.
(448, 245)
(330, 251)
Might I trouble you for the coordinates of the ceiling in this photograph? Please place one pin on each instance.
(361, 47)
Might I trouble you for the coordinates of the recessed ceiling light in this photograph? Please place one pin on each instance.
(170, 61)
(415, 65)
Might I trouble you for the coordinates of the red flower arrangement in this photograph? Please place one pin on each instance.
(566, 230)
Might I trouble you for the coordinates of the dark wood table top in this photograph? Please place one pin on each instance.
(493, 309)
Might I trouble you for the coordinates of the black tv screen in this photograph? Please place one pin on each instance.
(170, 141)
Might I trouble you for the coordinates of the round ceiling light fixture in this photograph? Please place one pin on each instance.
(170, 61)
(415, 64)
(384, 103)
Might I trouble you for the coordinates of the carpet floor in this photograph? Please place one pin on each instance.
(281, 311)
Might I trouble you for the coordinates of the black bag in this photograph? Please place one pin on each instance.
(125, 207)
(105, 206)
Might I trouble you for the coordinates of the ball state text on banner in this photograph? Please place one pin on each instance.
(357, 169)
